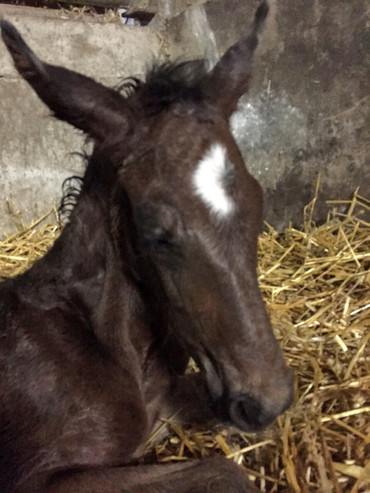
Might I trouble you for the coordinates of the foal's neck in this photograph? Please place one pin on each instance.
(103, 254)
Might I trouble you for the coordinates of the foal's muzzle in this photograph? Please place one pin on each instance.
(253, 410)
(249, 413)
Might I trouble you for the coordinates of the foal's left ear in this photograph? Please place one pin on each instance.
(72, 97)
(229, 79)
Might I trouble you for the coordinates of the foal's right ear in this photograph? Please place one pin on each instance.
(229, 79)
(72, 97)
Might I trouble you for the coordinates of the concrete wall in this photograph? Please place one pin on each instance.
(307, 111)
(308, 108)
(35, 149)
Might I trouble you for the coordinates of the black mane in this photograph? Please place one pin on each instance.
(71, 190)
(166, 84)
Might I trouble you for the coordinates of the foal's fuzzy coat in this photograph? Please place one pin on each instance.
(95, 338)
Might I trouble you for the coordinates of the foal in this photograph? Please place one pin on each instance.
(157, 264)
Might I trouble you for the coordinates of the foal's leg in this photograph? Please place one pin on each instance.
(217, 475)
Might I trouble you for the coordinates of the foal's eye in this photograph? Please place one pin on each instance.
(163, 248)
(160, 242)
(159, 228)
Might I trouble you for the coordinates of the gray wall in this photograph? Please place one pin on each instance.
(35, 149)
(308, 108)
(306, 113)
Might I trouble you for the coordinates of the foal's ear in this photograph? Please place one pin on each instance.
(72, 97)
(229, 79)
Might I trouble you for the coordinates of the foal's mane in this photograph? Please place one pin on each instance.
(164, 84)
(71, 190)
(170, 83)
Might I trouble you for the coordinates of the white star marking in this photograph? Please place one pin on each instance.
(208, 181)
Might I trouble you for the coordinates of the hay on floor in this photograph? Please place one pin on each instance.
(21, 249)
(316, 283)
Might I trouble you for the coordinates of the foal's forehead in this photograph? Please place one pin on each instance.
(200, 155)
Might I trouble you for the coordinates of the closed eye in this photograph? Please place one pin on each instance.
(162, 246)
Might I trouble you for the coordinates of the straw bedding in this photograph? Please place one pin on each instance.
(316, 283)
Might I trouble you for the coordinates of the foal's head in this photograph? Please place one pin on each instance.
(193, 209)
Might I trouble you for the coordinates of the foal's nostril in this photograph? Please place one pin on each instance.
(248, 414)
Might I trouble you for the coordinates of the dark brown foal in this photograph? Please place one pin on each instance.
(157, 264)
